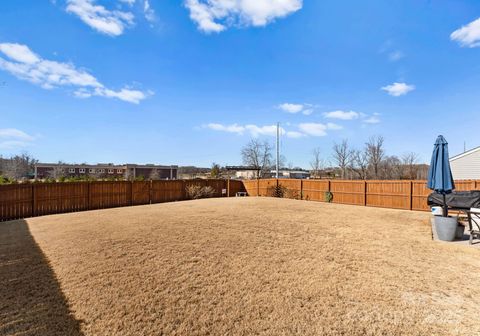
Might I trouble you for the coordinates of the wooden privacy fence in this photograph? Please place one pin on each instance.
(401, 194)
(37, 199)
(29, 200)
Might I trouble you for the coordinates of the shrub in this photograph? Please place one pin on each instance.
(277, 191)
(328, 196)
(5, 180)
(196, 191)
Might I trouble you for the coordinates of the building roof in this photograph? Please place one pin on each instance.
(471, 151)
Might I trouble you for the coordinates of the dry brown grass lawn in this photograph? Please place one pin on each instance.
(239, 266)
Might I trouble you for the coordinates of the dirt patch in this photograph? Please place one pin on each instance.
(240, 266)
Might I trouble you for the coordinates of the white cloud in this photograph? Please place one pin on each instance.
(11, 138)
(109, 22)
(342, 115)
(270, 130)
(372, 120)
(13, 133)
(313, 129)
(398, 89)
(305, 109)
(295, 134)
(291, 108)
(396, 56)
(26, 65)
(217, 15)
(128, 2)
(253, 130)
(19, 53)
(227, 128)
(148, 11)
(469, 35)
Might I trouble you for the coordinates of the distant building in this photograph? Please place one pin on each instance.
(106, 170)
(291, 174)
(466, 166)
(249, 173)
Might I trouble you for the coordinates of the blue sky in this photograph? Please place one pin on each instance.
(190, 82)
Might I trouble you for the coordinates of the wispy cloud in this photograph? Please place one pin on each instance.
(469, 35)
(298, 131)
(26, 65)
(318, 129)
(234, 128)
(305, 109)
(398, 89)
(396, 55)
(128, 2)
(217, 15)
(12, 138)
(148, 11)
(372, 120)
(253, 130)
(342, 115)
(103, 20)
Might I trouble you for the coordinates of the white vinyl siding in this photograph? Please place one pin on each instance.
(466, 166)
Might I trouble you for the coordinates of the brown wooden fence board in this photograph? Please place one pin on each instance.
(348, 192)
(266, 187)
(388, 194)
(16, 202)
(141, 192)
(251, 187)
(314, 190)
(168, 191)
(293, 188)
(234, 187)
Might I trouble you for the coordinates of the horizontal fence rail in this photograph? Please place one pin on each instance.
(38, 199)
(401, 194)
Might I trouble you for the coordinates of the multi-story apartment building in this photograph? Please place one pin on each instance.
(106, 170)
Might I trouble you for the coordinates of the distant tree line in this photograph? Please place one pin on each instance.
(17, 168)
(347, 162)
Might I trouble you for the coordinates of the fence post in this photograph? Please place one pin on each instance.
(89, 196)
(34, 201)
(365, 193)
(410, 198)
(150, 188)
(131, 192)
(301, 189)
(258, 187)
(228, 187)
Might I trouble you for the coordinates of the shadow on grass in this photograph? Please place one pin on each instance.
(31, 301)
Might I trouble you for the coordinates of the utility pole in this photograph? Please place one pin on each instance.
(278, 151)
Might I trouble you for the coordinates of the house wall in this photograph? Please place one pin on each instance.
(466, 167)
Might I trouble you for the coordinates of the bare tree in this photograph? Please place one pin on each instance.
(19, 166)
(258, 155)
(410, 165)
(360, 164)
(342, 157)
(375, 153)
(216, 171)
(391, 168)
(58, 171)
(317, 163)
(154, 175)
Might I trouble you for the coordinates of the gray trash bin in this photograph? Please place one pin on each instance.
(445, 227)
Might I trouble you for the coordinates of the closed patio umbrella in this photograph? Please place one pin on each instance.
(440, 177)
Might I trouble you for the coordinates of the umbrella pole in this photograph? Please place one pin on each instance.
(445, 208)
